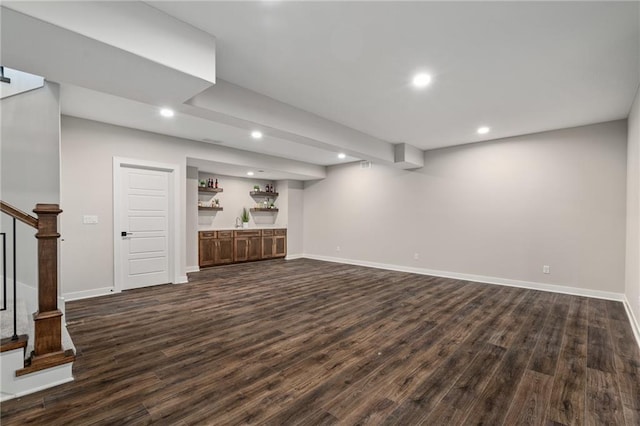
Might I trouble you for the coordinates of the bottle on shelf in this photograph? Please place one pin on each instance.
(216, 184)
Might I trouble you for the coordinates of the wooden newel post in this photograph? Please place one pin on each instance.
(48, 319)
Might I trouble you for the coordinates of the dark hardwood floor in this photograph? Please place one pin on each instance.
(306, 342)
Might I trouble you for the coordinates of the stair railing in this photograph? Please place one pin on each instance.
(48, 318)
(31, 221)
(4, 279)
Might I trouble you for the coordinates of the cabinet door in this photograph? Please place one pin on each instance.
(240, 249)
(206, 255)
(280, 246)
(267, 247)
(254, 248)
(224, 251)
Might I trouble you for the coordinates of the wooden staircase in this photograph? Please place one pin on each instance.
(48, 351)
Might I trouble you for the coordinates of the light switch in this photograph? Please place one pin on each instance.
(89, 219)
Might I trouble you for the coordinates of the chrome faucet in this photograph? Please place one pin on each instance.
(238, 222)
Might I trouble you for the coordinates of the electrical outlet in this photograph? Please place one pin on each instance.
(416, 256)
(337, 248)
(546, 269)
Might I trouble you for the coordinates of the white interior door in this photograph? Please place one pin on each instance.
(144, 220)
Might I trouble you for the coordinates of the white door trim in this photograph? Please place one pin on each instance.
(174, 215)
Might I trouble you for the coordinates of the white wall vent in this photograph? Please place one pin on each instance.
(365, 164)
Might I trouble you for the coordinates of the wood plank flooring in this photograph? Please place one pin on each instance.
(306, 342)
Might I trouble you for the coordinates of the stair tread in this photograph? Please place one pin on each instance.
(7, 344)
(48, 361)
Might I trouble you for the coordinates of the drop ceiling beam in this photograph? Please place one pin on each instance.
(63, 56)
(133, 27)
(240, 107)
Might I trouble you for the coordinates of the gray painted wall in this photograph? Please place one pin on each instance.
(234, 197)
(632, 278)
(88, 148)
(499, 209)
(30, 166)
(295, 225)
(192, 219)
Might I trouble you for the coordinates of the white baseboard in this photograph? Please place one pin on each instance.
(294, 256)
(635, 324)
(575, 291)
(182, 279)
(85, 294)
(67, 342)
(189, 269)
(62, 305)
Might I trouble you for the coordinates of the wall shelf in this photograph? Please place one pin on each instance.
(211, 209)
(201, 189)
(262, 210)
(263, 194)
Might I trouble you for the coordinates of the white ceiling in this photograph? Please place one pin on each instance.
(519, 67)
(93, 105)
(324, 77)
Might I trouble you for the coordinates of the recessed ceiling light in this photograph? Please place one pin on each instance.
(421, 80)
(166, 112)
(249, 173)
(342, 156)
(256, 134)
(483, 130)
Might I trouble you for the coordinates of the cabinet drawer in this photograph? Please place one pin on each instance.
(280, 231)
(255, 233)
(267, 232)
(207, 234)
(225, 234)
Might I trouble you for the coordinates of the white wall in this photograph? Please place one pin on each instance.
(234, 197)
(87, 151)
(499, 209)
(282, 187)
(88, 148)
(192, 219)
(632, 278)
(295, 223)
(291, 217)
(30, 166)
